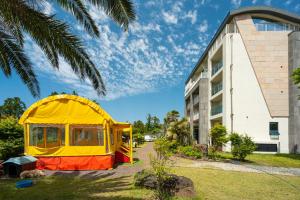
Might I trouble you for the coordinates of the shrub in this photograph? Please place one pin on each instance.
(218, 135)
(139, 138)
(163, 148)
(11, 138)
(241, 146)
(11, 148)
(190, 151)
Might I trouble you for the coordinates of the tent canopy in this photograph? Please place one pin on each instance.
(67, 109)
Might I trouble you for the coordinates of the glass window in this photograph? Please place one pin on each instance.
(274, 128)
(86, 136)
(111, 136)
(46, 136)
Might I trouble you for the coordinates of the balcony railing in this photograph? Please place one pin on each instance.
(194, 82)
(216, 109)
(216, 67)
(216, 88)
(196, 100)
(276, 27)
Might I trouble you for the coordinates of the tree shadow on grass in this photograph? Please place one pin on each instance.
(75, 186)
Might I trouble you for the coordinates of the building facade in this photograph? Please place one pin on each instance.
(243, 80)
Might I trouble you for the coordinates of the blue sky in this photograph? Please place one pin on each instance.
(145, 68)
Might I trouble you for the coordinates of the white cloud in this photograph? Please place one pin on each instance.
(152, 55)
(203, 26)
(192, 15)
(236, 3)
(47, 8)
(170, 18)
(268, 2)
(254, 1)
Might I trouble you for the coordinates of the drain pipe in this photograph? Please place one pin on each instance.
(231, 88)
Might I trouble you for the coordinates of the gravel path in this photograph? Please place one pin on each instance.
(237, 166)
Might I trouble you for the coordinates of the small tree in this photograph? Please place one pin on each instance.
(160, 167)
(241, 146)
(180, 131)
(218, 135)
(12, 107)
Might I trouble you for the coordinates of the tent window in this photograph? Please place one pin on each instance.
(111, 136)
(46, 136)
(86, 136)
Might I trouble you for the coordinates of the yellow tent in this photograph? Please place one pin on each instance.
(70, 129)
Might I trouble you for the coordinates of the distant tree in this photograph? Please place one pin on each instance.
(138, 127)
(53, 93)
(296, 77)
(171, 116)
(148, 125)
(12, 107)
(74, 93)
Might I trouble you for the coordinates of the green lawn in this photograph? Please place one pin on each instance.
(209, 183)
(275, 160)
(224, 185)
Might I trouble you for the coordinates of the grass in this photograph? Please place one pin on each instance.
(224, 185)
(275, 160)
(209, 184)
(67, 187)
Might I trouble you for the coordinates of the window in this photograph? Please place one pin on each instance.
(273, 128)
(111, 136)
(46, 136)
(86, 136)
(266, 147)
(264, 24)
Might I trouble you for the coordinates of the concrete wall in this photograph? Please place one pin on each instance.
(251, 115)
(268, 52)
(203, 110)
(294, 93)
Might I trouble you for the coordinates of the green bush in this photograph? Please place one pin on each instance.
(11, 148)
(11, 138)
(190, 151)
(218, 136)
(162, 146)
(139, 138)
(241, 146)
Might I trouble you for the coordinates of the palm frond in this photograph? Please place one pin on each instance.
(78, 9)
(53, 36)
(122, 11)
(13, 56)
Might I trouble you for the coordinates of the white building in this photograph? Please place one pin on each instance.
(242, 80)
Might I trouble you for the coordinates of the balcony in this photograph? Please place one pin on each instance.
(196, 100)
(216, 109)
(216, 67)
(196, 116)
(192, 83)
(215, 88)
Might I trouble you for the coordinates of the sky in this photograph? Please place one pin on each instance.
(144, 69)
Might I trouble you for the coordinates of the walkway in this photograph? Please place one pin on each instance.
(236, 166)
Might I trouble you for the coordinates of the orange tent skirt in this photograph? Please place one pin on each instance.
(75, 162)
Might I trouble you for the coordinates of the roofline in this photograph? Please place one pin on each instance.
(245, 10)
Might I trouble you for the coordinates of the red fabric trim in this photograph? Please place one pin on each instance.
(121, 158)
(75, 162)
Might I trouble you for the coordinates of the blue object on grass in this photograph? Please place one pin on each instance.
(24, 183)
(21, 160)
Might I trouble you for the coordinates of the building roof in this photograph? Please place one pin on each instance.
(246, 10)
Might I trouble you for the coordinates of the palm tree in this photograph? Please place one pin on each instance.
(54, 37)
